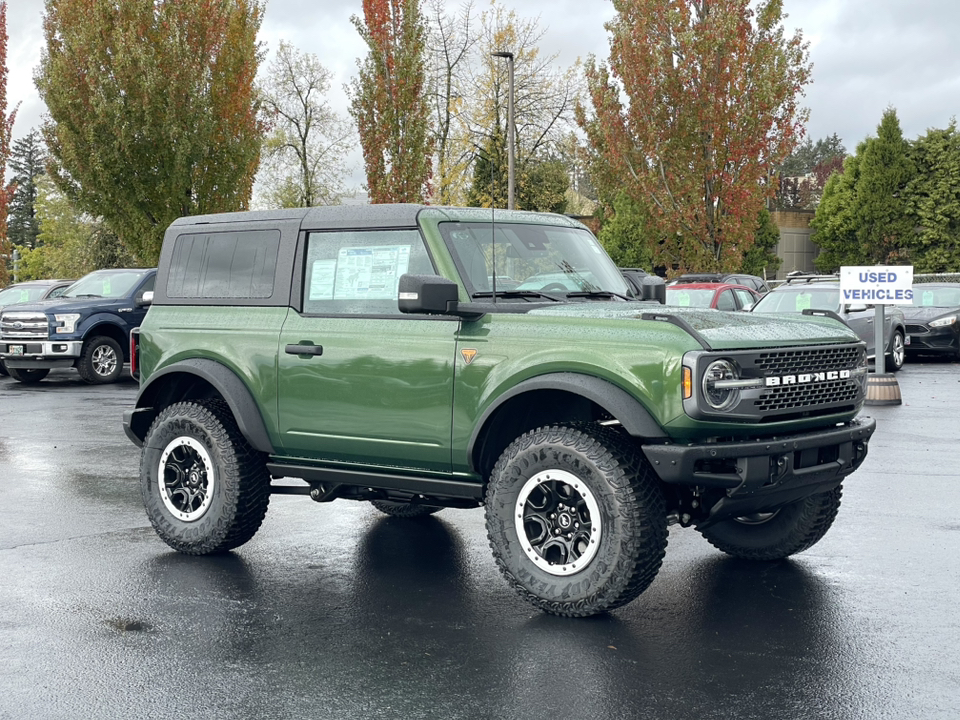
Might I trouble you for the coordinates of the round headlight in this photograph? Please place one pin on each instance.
(720, 398)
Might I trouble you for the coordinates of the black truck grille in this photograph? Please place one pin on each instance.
(793, 398)
(808, 360)
(916, 329)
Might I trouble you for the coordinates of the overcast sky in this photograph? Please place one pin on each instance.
(867, 54)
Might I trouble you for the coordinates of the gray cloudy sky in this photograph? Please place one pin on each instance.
(867, 54)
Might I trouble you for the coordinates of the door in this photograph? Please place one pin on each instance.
(359, 382)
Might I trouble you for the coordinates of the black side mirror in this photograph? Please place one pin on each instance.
(429, 294)
(652, 287)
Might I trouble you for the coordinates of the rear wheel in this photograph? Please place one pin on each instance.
(576, 519)
(28, 377)
(404, 509)
(101, 360)
(778, 534)
(204, 488)
(898, 352)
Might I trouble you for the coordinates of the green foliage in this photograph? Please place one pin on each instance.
(6, 128)
(808, 155)
(883, 227)
(389, 104)
(933, 201)
(153, 110)
(761, 258)
(712, 92)
(542, 186)
(835, 224)
(626, 236)
(27, 163)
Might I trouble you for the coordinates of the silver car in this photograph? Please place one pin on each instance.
(797, 297)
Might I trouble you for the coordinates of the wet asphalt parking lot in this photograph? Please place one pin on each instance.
(336, 611)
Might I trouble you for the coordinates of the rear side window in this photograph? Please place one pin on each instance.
(224, 265)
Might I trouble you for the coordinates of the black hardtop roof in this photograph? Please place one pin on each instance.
(392, 215)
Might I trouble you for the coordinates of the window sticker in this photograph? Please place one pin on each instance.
(803, 301)
(24, 295)
(927, 297)
(683, 299)
(370, 273)
(322, 274)
(106, 287)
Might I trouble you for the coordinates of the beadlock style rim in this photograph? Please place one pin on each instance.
(185, 479)
(558, 522)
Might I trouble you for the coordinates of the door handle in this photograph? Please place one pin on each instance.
(304, 349)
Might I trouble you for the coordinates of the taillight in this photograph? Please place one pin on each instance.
(134, 352)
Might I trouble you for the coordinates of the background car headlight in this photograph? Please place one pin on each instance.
(943, 322)
(67, 322)
(720, 398)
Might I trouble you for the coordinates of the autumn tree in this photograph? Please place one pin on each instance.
(153, 110)
(389, 103)
(6, 130)
(27, 165)
(698, 105)
(306, 146)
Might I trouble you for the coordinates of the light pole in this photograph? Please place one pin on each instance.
(510, 181)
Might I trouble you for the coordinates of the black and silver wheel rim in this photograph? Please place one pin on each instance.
(104, 360)
(558, 522)
(186, 479)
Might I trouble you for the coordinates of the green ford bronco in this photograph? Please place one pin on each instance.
(425, 357)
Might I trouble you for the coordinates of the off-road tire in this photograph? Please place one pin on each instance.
(239, 491)
(101, 360)
(632, 531)
(27, 376)
(404, 509)
(792, 529)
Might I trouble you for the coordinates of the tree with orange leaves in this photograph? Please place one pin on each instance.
(6, 129)
(698, 104)
(389, 101)
(153, 110)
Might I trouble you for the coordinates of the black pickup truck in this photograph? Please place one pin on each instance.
(88, 327)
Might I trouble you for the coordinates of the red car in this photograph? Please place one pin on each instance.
(721, 296)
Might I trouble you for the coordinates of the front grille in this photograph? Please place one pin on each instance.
(793, 398)
(808, 360)
(916, 329)
(23, 326)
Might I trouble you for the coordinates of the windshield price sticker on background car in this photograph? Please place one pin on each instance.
(877, 284)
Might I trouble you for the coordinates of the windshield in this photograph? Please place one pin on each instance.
(689, 297)
(531, 259)
(796, 301)
(21, 293)
(104, 283)
(940, 297)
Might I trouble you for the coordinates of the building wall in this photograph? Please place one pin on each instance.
(795, 248)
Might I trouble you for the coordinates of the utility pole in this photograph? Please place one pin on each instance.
(510, 124)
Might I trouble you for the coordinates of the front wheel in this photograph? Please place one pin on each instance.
(101, 360)
(898, 351)
(778, 534)
(28, 377)
(204, 488)
(3, 368)
(576, 519)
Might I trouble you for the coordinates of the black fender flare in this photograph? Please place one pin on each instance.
(633, 416)
(226, 382)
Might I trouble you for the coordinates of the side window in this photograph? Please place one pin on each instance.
(744, 297)
(726, 301)
(224, 265)
(357, 272)
(58, 292)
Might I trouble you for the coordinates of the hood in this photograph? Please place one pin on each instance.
(920, 314)
(62, 304)
(722, 330)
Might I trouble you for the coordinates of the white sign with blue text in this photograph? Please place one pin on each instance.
(876, 284)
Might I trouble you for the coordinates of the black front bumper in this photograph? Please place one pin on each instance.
(758, 475)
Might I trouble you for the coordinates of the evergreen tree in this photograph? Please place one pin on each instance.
(626, 236)
(933, 201)
(761, 259)
(26, 161)
(835, 224)
(6, 129)
(884, 228)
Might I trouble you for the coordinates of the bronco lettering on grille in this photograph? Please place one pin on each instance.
(804, 378)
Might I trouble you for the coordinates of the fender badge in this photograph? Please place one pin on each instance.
(468, 354)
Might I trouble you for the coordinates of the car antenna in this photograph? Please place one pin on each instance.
(493, 233)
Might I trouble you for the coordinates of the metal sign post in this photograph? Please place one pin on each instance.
(878, 285)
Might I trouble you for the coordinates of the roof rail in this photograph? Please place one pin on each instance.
(799, 278)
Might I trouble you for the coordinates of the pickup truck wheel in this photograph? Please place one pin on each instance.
(204, 488)
(28, 377)
(101, 360)
(776, 535)
(576, 519)
(403, 509)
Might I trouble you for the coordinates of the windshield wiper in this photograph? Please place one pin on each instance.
(86, 295)
(599, 294)
(516, 294)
